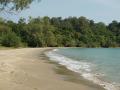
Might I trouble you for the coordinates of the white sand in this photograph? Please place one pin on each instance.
(25, 69)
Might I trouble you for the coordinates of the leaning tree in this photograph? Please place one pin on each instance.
(15, 5)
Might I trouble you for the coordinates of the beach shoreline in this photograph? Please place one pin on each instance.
(30, 69)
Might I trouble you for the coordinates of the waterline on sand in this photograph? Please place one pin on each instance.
(81, 67)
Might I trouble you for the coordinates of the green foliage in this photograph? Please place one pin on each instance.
(10, 40)
(15, 4)
(54, 32)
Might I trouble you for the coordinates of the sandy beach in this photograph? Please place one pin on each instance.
(28, 69)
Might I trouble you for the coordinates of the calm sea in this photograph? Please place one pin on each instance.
(99, 65)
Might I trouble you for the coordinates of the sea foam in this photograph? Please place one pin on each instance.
(83, 68)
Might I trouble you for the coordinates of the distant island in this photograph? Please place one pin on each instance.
(59, 32)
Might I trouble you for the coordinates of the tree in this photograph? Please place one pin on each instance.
(51, 32)
(11, 40)
(14, 5)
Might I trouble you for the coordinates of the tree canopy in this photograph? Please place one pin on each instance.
(57, 32)
(14, 5)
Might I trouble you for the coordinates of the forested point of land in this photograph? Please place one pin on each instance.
(59, 32)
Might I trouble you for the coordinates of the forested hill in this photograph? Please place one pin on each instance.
(54, 32)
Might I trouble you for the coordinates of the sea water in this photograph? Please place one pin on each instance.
(99, 65)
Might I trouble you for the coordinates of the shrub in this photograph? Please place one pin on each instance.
(11, 40)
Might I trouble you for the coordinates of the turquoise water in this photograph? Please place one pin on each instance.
(100, 65)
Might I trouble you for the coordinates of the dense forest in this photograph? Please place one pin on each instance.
(59, 32)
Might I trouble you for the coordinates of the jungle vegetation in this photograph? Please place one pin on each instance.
(59, 32)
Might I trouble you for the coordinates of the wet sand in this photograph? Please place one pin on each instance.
(29, 69)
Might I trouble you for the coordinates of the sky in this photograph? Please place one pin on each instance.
(98, 10)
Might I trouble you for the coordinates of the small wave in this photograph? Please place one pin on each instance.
(83, 68)
(55, 50)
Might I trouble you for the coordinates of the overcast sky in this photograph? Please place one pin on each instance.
(98, 10)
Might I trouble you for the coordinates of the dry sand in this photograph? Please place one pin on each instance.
(26, 69)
